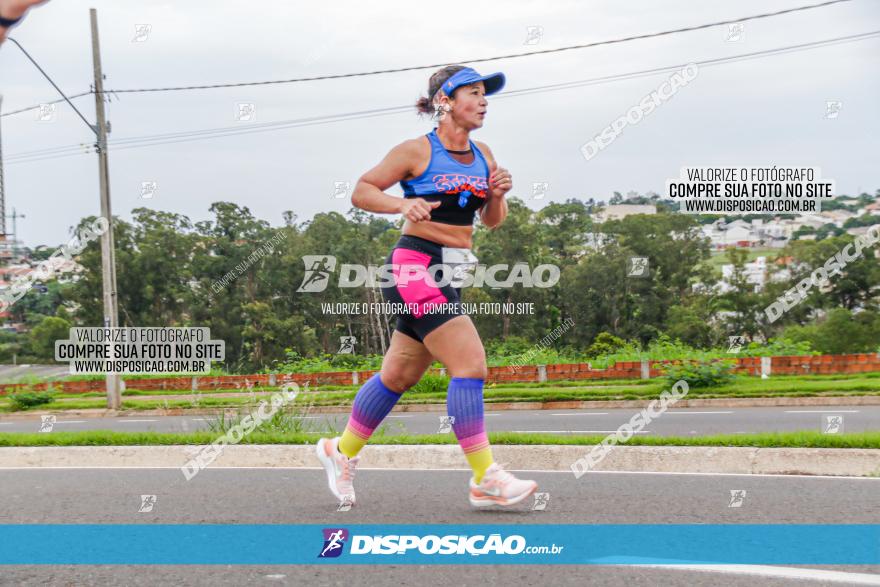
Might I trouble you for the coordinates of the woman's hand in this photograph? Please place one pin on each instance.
(500, 183)
(14, 9)
(417, 209)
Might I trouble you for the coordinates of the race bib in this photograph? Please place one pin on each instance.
(460, 262)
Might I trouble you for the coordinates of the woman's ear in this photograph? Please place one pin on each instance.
(441, 108)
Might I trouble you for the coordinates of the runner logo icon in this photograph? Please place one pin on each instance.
(334, 540)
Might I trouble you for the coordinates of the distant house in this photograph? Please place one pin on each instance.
(738, 235)
(11, 273)
(859, 230)
(738, 224)
(811, 222)
(836, 217)
(619, 211)
(774, 229)
(754, 273)
(735, 234)
(774, 234)
(715, 236)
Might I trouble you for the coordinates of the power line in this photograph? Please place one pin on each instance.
(37, 106)
(477, 60)
(496, 58)
(54, 85)
(187, 136)
(702, 63)
(149, 140)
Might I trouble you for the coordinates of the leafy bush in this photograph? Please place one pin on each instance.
(840, 331)
(508, 347)
(700, 373)
(605, 344)
(28, 399)
(214, 372)
(536, 356)
(291, 418)
(778, 347)
(430, 383)
(661, 348)
(295, 363)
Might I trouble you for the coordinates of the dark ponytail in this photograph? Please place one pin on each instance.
(425, 105)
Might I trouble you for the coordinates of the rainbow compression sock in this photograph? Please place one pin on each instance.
(371, 404)
(464, 402)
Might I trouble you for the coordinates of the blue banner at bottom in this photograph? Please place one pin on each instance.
(603, 544)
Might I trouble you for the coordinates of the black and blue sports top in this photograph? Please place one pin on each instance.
(461, 189)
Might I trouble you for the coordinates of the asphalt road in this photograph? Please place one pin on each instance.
(299, 496)
(675, 422)
(13, 373)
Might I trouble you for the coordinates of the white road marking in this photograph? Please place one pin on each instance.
(694, 413)
(830, 410)
(439, 413)
(126, 421)
(425, 470)
(780, 572)
(781, 475)
(578, 431)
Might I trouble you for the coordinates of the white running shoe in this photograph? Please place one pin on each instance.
(340, 469)
(498, 487)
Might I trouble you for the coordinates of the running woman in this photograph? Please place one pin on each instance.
(446, 179)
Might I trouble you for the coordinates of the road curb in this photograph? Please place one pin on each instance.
(661, 459)
(756, 402)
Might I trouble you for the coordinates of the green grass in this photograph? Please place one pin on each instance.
(139, 392)
(804, 439)
(100, 376)
(331, 388)
(720, 258)
(743, 387)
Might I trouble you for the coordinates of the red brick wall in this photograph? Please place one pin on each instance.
(857, 363)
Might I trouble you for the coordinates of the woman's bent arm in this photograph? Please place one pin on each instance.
(369, 192)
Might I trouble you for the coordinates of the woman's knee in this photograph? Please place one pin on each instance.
(475, 369)
(398, 381)
(470, 363)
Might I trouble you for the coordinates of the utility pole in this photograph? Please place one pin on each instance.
(16, 250)
(5, 253)
(2, 189)
(108, 261)
(8, 248)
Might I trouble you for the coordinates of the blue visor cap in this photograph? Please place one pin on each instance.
(493, 82)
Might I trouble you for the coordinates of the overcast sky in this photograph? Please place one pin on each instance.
(767, 111)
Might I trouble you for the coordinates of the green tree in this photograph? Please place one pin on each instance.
(519, 239)
(43, 336)
(841, 331)
(743, 302)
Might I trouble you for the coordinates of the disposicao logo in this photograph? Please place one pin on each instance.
(334, 540)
